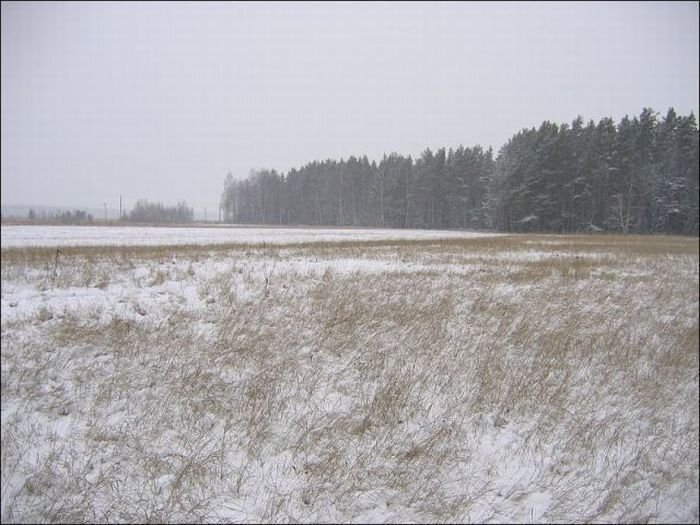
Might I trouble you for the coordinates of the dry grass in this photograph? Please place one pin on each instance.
(454, 385)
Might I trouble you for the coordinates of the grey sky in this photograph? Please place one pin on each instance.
(161, 100)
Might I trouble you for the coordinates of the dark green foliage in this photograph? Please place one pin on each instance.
(640, 176)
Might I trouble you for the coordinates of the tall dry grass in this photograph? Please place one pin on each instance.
(537, 378)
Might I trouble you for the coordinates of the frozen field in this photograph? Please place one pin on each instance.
(15, 236)
(471, 379)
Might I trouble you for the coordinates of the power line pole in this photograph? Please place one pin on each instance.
(105, 205)
(120, 207)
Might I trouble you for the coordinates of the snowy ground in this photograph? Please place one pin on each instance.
(518, 379)
(15, 236)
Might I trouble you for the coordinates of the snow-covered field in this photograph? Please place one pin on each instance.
(492, 378)
(15, 236)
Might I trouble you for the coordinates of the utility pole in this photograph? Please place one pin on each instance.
(120, 207)
(205, 214)
(105, 205)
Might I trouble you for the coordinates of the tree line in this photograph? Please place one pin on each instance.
(637, 176)
(156, 212)
(61, 217)
(143, 212)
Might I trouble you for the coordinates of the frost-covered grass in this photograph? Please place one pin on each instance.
(512, 378)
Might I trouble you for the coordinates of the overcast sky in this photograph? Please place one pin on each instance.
(162, 100)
